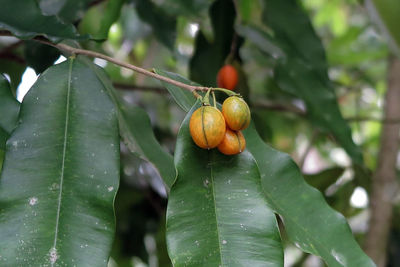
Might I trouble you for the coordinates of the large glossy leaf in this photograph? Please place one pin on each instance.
(25, 20)
(217, 214)
(137, 133)
(310, 223)
(301, 69)
(61, 173)
(9, 106)
(163, 25)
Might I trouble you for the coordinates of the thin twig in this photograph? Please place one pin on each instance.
(78, 51)
(366, 118)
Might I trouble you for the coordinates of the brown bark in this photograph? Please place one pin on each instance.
(384, 185)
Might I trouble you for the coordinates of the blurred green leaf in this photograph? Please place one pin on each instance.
(264, 41)
(186, 8)
(138, 135)
(3, 139)
(309, 222)
(31, 22)
(9, 106)
(386, 14)
(40, 56)
(136, 132)
(220, 195)
(163, 25)
(1, 154)
(14, 69)
(303, 70)
(111, 15)
(67, 10)
(325, 178)
(351, 49)
(59, 202)
(340, 200)
(99, 18)
(210, 56)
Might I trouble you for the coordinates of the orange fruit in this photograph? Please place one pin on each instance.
(236, 113)
(227, 77)
(233, 143)
(207, 127)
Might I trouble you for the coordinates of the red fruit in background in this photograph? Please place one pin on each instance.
(227, 77)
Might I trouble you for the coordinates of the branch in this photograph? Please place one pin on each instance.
(78, 51)
(384, 184)
(366, 118)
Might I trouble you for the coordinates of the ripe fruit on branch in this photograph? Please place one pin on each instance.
(207, 127)
(227, 77)
(236, 113)
(233, 143)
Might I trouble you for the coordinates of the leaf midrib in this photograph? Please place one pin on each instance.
(215, 210)
(63, 160)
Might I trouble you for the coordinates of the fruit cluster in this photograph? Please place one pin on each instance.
(210, 128)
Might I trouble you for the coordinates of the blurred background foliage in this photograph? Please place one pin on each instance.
(194, 39)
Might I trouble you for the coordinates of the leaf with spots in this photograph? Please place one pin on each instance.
(61, 173)
(217, 214)
(309, 221)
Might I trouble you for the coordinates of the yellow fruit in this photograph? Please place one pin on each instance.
(233, 143)
(236, 113)
(207, 127)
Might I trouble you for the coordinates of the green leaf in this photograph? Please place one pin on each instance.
(186, 8)
(29, 22)
(325, 178)
(139, 137)
(61, 173)
(14, 69)
(210, 56)
(1, 157)
(303, 70)
(163, 25)
(9, 107)
(108, 12)
(40, 56)
(183, 98)
(264, 41)
(137, 133)
(221, 196)
(351, 49)
(67, 10)
(386, 14)
(310, 223)
(3, 138)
